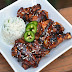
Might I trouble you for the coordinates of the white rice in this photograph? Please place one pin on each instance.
(13, 29)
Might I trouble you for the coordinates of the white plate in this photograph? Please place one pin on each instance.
(11, 11)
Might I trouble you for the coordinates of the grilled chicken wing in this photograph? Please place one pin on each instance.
(29, 10)
(40, 15)
(52, 28)
(42, 28)
(32, 14)
(55, 28)
(28, 53)
(55, 39)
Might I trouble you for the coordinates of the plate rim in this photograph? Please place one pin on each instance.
(50, 60)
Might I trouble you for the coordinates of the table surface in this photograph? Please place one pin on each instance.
(61, 64)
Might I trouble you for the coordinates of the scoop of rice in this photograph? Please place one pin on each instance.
(13, 29)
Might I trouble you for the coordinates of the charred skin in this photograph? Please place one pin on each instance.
(40, 15)
(27, 13)
(42, 28)
(37, 49)
(51, 29)
(28, 53)
(31, 53)
(29, 10)
(54, 40)
(32, 14)
(55, 28)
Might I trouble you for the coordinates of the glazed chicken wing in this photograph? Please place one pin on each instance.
(42, 28)
(32, 14)
(28, 53)
(29, 10)
(55, 39)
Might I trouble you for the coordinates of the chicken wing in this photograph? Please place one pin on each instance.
(55, 39)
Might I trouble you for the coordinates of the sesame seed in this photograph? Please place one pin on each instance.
(37, 14)
(16, 51)
(53, 34)
(41, 29)
(39, 47)
(34, 40)
(47, 30)
(33, 51)
(21, 43)
(52, 25)
(22, 12)
(27, 13)
(59, 34)
(16, 43)
(17, 46)
(17, 55)
(52, 43)
(48, 48)
(35, 44)
(40, 52)
(51, 30)
(30, 9)
(48, 41)
(21, 48)
(55, 23)
(23, 51)
(32, 15)
(41, 21)
(24, 58)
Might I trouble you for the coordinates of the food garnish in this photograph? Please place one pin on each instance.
(31, 27)
(29, 36)
(34, 22)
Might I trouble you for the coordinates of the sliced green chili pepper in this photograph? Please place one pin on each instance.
(34, 22)
(31, 27)
(29, 36)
